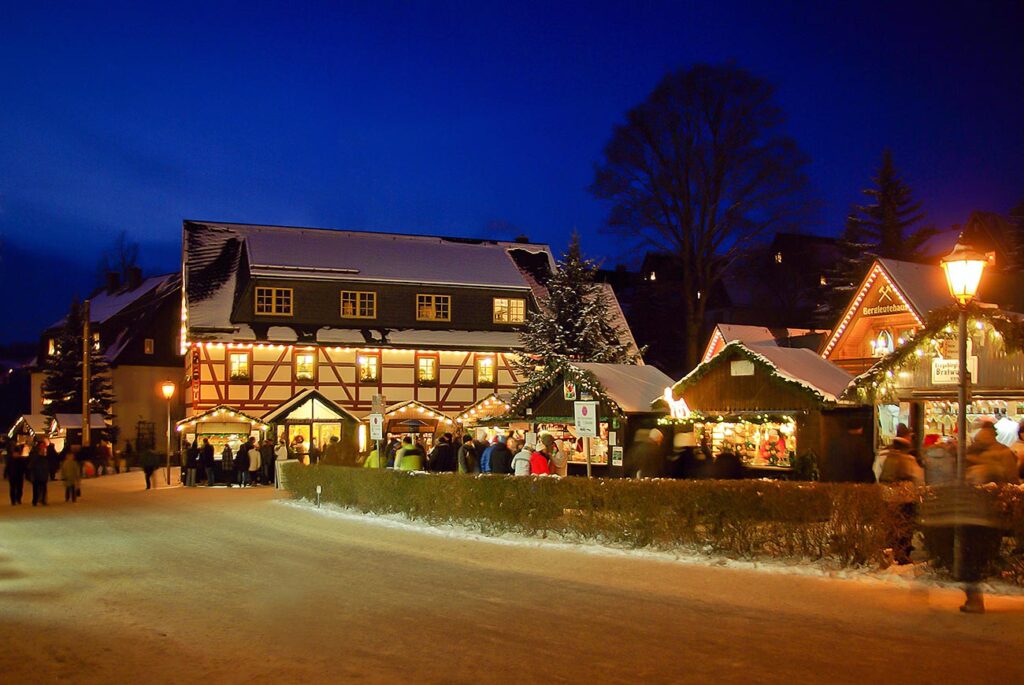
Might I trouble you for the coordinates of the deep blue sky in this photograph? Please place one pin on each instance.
(452, 118)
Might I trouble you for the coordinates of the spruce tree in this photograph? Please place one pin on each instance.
(62, 373)
(883, 227)
(573, 325)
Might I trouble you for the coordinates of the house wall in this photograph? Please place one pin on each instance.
(272, 377)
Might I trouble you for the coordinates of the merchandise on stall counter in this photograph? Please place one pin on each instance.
(770, 444)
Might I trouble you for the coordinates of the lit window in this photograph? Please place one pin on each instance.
(778, 258)
(485, 370)
(305, 366)
(426, 370)
(654, 276)
(433, 308)
(882, 344)
(274, 301)
(358, 305)
(238, 366)
(51, 347)
(96, 341)
(147, 346)
(823, 280)
(509, 310)
(367, 368)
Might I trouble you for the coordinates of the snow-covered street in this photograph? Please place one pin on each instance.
(194, 585)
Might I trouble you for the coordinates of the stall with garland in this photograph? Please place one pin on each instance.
(222, 426)
(918, 380)
(487, 418)
(769, 405)
(624, 395)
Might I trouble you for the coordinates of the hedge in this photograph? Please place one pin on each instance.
(846, 524)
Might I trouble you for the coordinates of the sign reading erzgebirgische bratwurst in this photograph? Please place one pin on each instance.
(947, 371)
(585, 414)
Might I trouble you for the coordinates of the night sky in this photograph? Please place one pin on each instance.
(452, 118)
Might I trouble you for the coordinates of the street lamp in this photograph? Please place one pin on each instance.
(167, 390)
(963, 267)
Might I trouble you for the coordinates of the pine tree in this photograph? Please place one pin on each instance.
(573, 325)
(62, 373)
(884, 227)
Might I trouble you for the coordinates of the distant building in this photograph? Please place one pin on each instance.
(136, 325)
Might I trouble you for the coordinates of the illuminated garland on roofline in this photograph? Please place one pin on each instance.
(880, 380)
(755, 419)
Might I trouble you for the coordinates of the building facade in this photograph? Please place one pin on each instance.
(271, 312)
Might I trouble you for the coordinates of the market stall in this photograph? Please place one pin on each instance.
(768, 405)
(489, 417)
(919, 379)
(312, 419)
(615, 400)
(27, 427)
(66, 429)
(418, 420)
(222, 426)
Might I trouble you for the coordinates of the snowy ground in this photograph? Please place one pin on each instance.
(192, 585)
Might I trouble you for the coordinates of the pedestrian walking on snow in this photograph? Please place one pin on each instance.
(71, 472)
(254, 463)
(150, 462)
(208, 463)
(39, 473)
(17, 466)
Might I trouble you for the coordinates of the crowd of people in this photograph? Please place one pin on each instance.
(502, 454)
(38, 461)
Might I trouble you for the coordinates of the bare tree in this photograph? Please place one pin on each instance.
(697, 169)
(120, 258)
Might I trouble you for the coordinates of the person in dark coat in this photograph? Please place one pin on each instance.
(727, 466)
(267, 461)
(191, 464)
(467, 459)
(392, 451)
(54, 460)
(242, 465)
(17, 465)
(39, 473)
(501, 456)
(644, 457)
(150, 462)
(442, 458)
(314, 452)
(208, 463)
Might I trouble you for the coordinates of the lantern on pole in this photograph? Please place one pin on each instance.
(167, 390)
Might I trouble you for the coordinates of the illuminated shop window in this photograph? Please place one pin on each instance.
(238, 366)
(368, 370)
(305, 366)
(509, 310)
(882, 344)
(485, 371)
(426, 371)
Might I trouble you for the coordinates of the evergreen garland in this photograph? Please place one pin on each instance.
(941, 324)
(62, 373)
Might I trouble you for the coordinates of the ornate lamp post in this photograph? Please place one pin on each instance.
(167, 390)
(964, 267)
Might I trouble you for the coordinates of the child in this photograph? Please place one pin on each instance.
(72, 475)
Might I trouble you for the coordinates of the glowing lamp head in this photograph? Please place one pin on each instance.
(964, 267)
(167, 389)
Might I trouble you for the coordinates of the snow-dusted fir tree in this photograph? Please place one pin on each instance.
(573, 325)
(62, 373)
(884, 227)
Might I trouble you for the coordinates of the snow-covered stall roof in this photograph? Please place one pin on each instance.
(74, 421)
(799, 365)
(630, 386)
(924, 285)
(37, 424)
(726, 333)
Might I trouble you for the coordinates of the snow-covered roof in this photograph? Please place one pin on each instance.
(618, 319)
(725, 333)
(630, 386)
(36, 424)
(105, 305)
(318, 399)
(796, 364)
(74, 421)
(214, 253)
(924, 285)
(497, 340)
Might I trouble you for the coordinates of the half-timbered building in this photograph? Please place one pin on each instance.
(272, 312)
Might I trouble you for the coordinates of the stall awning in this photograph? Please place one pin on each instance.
(221, 414)
(490, 406)
(309, 405)
(412, 416)
(37, 424)
(74, 421)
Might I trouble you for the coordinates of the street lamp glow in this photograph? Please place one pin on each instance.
(167, 389)
(964, 267)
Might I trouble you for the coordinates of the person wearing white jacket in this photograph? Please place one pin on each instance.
(254, 464)
(280, 454)
(521, 461)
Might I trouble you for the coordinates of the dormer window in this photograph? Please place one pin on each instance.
(357, 304)
(433, 308)
(96, 341)
(274, 301)
(509, 310)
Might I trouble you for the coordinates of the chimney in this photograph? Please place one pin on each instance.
(522, 238)
(113, 281)
(134, 277)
